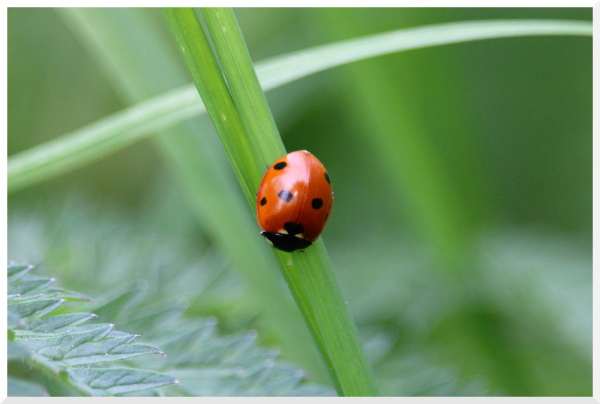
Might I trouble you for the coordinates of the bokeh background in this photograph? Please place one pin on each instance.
(462, 228)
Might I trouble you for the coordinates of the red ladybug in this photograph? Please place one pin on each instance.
(294, 201)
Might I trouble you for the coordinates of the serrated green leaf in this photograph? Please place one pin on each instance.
(16, 272)
(161, 315)
(185, 337)
(56, 324)
(218, 351)
(229, 365)
(264, 379)
(68, 295)
(56, 346)
(121, 380)
(121, 334)
(17, 299)
(211, 365)
(108, 350)
(55, 343)
(23, 388)
(118, 300)
(25, 285)
(36, 307)
(63, 331)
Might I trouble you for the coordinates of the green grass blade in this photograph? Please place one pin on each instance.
(195, 159)
(100, 139)
(208, 79)
(310, 277)
(286, 68)
(244, 85)
(119, 130)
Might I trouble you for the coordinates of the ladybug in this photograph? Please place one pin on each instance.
(294, 201)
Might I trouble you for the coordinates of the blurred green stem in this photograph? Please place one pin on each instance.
(113, 133)
(309, 274)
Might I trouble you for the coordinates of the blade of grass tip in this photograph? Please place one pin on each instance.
(320, 297)
(111, 134)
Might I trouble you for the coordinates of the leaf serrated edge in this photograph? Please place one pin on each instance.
(175, 380)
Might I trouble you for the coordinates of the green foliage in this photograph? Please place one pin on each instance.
(241, 102)
(117, 131)
(195, 158)
(474, 157)
(205, 362)
(178, 290)
(60, 344)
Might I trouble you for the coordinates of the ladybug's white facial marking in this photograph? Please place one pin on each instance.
(300, 236)
(283, 231)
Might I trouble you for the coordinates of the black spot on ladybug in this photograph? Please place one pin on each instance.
(327, 178)
(284, 195)
(293, 228)
(326, 216)
(280, 166)
(317, 203)
(263, 201)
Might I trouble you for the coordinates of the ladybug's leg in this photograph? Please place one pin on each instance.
(268, 166)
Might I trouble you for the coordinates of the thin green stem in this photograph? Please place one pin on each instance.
(209, 80)
(244, 85)
(117, 131)
(308, 274)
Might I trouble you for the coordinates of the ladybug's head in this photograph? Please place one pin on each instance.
(285, 242)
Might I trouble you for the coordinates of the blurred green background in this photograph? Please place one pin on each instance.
(462, 228)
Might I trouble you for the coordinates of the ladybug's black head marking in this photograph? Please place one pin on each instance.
(293, 228)
(285, 242)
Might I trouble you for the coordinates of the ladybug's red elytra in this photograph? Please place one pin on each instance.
(294, 201)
